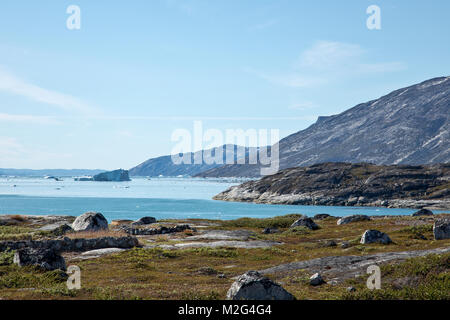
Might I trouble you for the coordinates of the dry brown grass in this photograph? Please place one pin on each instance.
(19, 218)
(96, 234)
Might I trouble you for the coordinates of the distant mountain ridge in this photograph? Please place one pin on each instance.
(164, 165)
(408, 126)
(50, 172)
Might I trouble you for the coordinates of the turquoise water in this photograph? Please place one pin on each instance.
(163, 198)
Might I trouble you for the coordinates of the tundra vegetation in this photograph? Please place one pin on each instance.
(159, 269)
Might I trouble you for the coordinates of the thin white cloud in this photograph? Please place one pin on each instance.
(13, 154)
(263, 25)
(10, 148)
(327, 54)
(5, 117)
(328, 61)
(14, 85)
(181, 5)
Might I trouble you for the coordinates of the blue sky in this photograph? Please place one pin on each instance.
(110, 94)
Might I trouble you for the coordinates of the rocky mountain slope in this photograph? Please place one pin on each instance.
(346, 184)
(408, 126)
(166, 167)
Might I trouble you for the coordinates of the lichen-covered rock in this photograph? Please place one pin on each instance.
(316, 280)
(423, 212)
(375, 236)
(353, 218)
(90, 221)
(441, 229)
(305, 222)
(46, 259)
(253, 286)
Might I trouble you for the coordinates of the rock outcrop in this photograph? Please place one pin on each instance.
(151, 231)
(305, 222)
(116, 176)
(346, 184)
(47, 259)
(90, 221)
(353, 218)
(253, 286)
(375, 236)
(71, 245)
(422, 212)
(144, 221)
(321, 216)
(441, 229)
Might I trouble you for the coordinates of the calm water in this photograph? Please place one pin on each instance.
(162, 198)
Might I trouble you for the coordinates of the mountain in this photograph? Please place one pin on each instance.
(408, 126)
(165, 166)
(347, 184)
(50, 172)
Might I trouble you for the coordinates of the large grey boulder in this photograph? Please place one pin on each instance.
(422, 212)
(353, 218)
(305, 222)
(90, 221)
(375, 236)
(253, 286)
(46, 259)
(441, 229)
(144, 221)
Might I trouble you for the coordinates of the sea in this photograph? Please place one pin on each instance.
(162, 198)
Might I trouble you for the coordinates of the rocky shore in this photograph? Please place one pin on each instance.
(345, 184)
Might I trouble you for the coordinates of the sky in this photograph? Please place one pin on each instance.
(112, 93)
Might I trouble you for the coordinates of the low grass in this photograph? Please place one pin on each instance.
(6, 257)
(15, 233)
(157, 273)
(421, 232)
(276, 222)
(423, 278)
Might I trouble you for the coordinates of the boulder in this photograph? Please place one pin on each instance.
(305, 222)
(90, 221)
(321, 216)
(316, 280)
(145, 220)
(441, 229)
(422, 212)
(353, 218)
(46, 259)
(330, 243)
(253, 286)
(270, 230)
(345, 244)
(375, 236)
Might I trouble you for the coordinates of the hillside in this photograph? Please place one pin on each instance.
(165, 166)
(408, 126)
(346, 184)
